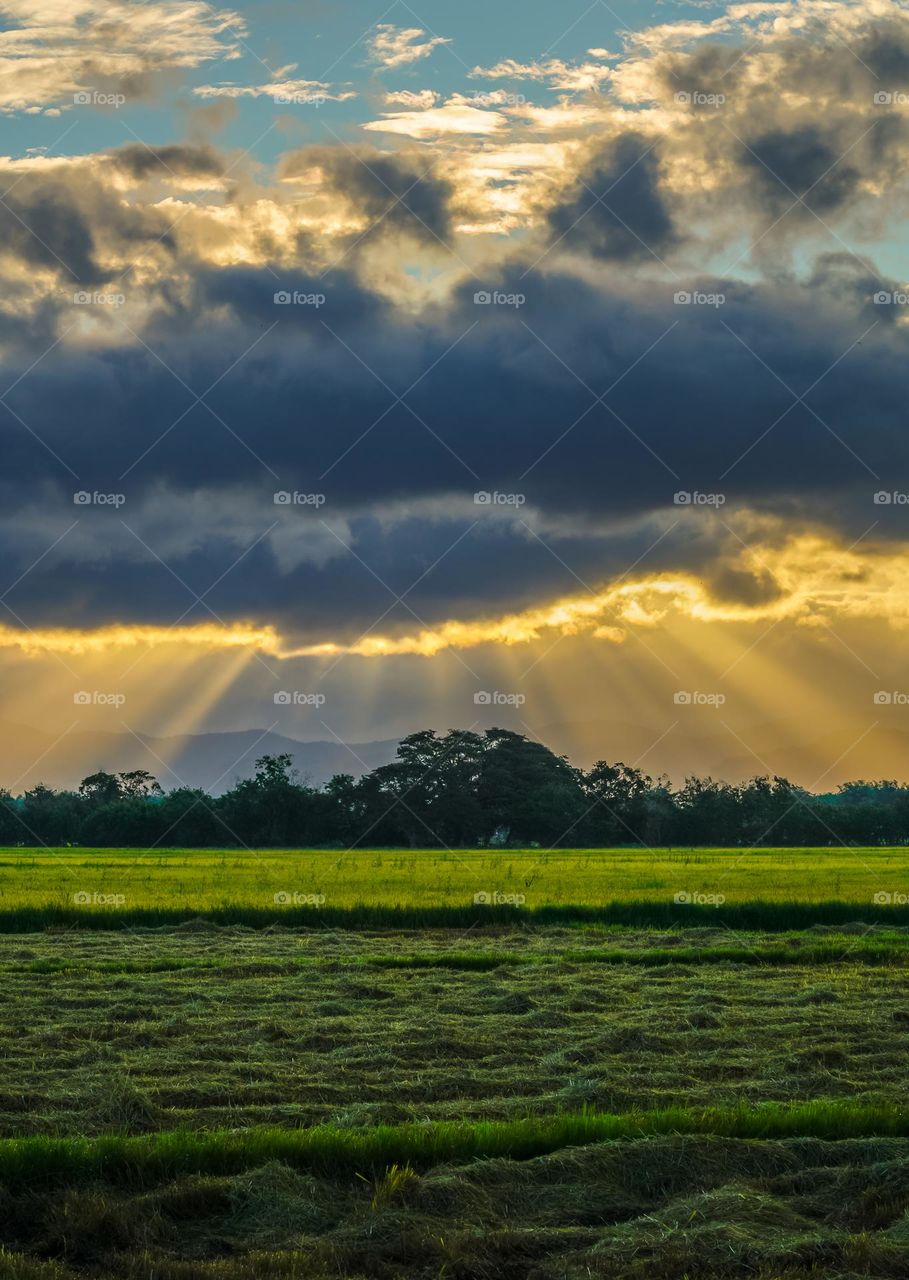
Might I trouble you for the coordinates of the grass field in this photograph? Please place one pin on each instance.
(517, 1097)
(200, 880)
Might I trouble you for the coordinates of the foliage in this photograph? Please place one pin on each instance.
(458, 790)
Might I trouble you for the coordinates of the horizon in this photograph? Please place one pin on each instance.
(210, 760)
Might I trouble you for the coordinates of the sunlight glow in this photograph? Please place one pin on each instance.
(807, 581)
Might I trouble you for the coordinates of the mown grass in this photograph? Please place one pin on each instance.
(149, 1159)
(206, 1028)
(630, 1088)
(860, 952)
(893, 952)
(647, 1208)
(436, 881)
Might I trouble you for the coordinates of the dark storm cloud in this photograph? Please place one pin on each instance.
(176, 160)
(616, 210)
(64, 223)
(44, 227)
(595, 403)
(396, 192)
(800, 164)
(786, 131)
(503, 400)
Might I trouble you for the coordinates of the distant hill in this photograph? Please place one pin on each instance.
(797, 750)
(209, 760)
(793, 748)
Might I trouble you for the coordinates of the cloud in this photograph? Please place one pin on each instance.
(382, 191)
(617, 210)
(51, 52)
(494, 398)
(585, 77)
(282, 88)
(418, 101)
(178, 161)
(456, 116)
(595, 398)
(400, 46)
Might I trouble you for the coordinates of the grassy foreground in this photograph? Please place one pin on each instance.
(220, 1088)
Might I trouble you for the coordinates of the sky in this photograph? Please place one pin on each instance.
(366, 368)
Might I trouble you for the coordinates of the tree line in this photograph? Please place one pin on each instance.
(459, 789)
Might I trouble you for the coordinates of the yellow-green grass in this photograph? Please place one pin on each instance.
(154, 1157)
(189, 880)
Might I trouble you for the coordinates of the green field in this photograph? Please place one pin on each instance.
(200, 880)
(321, 1095)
